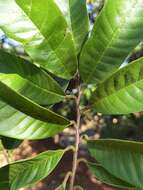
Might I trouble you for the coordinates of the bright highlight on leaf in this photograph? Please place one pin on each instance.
(59, 52)
(75, 13)
(43, 32)
(122, 93)
(16, 124)
(20, 117)
(29, 80)
(117, 31)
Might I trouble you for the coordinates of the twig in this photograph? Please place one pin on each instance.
(77, 139)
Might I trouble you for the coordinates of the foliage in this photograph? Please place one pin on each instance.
(12, 175)
(61, 49)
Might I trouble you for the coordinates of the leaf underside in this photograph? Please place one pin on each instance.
(122, 159)
(28, 172)
(107, 178)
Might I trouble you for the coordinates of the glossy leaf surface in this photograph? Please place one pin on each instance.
(42, 29)
(122, 93)
(28, 172)
(29, 80)
(28, 107)
(107, 178)
(21, 118)
(76, 16)
(122, 159)
(117, 31)
(16, 124)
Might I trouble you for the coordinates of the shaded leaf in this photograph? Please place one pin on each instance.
(42, 29)
(122, 93)
(62, 82)
(76, 16)
(28, 172)
(107, 178)
(122, 159)
(1, 146)
(10, 143)
(117, 31)
(29, 80)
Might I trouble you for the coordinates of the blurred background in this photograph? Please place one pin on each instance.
(94, 125)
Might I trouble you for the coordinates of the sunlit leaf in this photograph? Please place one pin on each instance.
(117, 31)
(41, 28)
(122, 93)
(28, 172)
(29, 80)
(76, 16)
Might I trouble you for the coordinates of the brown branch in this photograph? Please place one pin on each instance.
(77, 139)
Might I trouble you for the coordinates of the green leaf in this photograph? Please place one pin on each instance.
(43, 31)
(106, 177)
(122, 93)
(21, 118)
(16, 124)
(29, 80)
(28, 172)
(10, 143)
(122, 159)
(117, 31)
(76, 15)
(1, 146)
(28, 107)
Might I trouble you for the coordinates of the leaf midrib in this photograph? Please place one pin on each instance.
(46, 159)
(104, 148)
(48, 111)
(111, 184)
(115, 34)
(44, 37)
(116, 92)
(38, 87)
